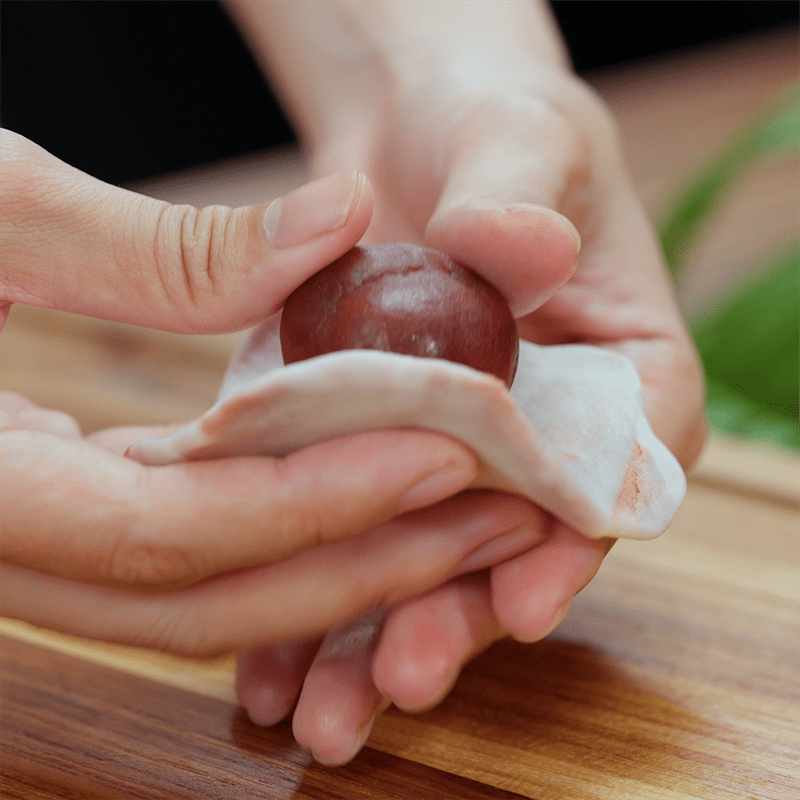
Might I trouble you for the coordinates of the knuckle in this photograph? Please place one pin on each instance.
(34, 182)
(139, 561)
(143, 552)
(514, 121)
(576, 171)
(297, 525)
(180, 632)
(29, 192)
(191, 247)
(21, 162)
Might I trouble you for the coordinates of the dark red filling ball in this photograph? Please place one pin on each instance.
(402, 298)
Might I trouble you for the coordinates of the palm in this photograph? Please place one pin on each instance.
(440, 183)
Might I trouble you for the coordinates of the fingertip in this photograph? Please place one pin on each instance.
(323, 206)
(523, 606)
(527, 251)
(264, 708)
(269, 679)
(532, 593)
(414, 678)
(339, 702)
(414, 696)
(529, 623)
(329, 732)
(333, 753)
(340, 753)
(317, 222)
(426, 641)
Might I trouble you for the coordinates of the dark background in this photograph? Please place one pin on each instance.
(129, 89)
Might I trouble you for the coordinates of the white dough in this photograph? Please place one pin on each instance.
(571, 434)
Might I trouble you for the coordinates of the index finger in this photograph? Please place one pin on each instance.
(75, 509)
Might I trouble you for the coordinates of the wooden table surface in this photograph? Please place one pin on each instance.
(675, 674)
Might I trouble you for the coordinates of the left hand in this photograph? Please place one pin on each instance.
(510, 164)
(496, 208)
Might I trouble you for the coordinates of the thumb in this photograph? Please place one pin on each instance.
(77, 244)
(502, 210)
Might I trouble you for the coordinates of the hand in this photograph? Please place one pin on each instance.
(214, 556)
(479, 142)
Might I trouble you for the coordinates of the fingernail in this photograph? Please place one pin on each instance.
(573, 232)
(560, 220)
(318, 207)
(500, 548)
(437, 486)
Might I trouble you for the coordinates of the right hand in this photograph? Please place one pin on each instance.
(215, 556)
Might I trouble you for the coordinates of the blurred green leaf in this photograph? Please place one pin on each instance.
(750, 346)
(778, 130)
(737, 415)
(749, 341)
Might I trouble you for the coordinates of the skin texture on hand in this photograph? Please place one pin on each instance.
(479, 142)
(74, 243)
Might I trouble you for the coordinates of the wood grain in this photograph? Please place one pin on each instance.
(674, 676)
(81, 731)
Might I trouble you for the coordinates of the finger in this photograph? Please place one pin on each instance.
(269, 679)
(427, 640)
(301, 596)
(650, 328)
(77, 510)
(532, 593)
(75, 243)
(512, 178)
(339, 702)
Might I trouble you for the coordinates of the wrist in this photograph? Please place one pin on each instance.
(337, 65)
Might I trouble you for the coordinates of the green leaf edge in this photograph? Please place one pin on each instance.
(728, 408)
(778, 129)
